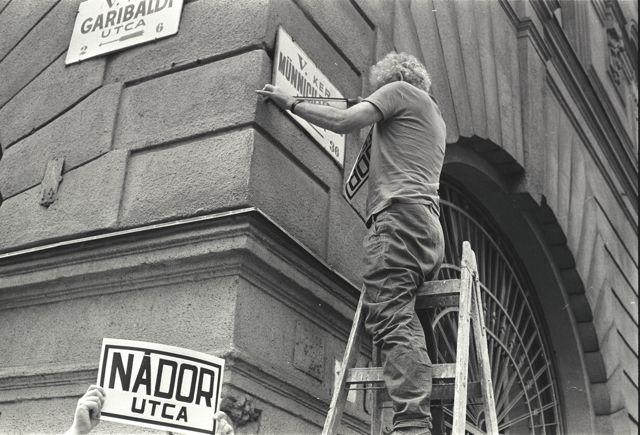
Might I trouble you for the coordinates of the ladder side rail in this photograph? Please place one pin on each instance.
(482, 355)
(462, 347)
(376, 401)
(339, 397)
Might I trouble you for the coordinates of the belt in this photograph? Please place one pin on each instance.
(433, 205)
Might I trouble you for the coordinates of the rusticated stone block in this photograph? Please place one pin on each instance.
(346, 232)
(405, 38)
(625, 420)
(192, 102)
(287, 192)
(71, 332)
(384, 45)
(378, 12)
(601, 397)
(45, 42)
(580, 307)
(562, 256)
(295, 140)
(308, 352)
(17, 19)
(595, 367)
(48, 95)
(88, 201)
(346, 28)
(467, 29)
(190, 178)
(572, 281)
(588, 336)
(55, 419)
(431, 45)
(207, 28)
(79, 135)
(454, 65)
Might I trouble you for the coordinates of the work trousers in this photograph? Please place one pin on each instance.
(403, 248)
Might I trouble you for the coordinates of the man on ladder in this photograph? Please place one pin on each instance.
(404, 246)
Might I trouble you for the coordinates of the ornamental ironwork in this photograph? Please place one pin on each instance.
(522, 372)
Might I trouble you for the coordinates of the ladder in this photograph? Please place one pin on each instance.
(464, 293)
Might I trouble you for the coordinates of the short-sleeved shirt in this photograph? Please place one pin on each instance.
(408, 147)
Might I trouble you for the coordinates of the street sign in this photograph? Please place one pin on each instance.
(296, 73)
(103, 26)
(357, 179)
(160, 387)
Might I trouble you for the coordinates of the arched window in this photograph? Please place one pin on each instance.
(522, 371)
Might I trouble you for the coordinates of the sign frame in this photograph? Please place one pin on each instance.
(110, 411)
(314, 81)
(124, 22)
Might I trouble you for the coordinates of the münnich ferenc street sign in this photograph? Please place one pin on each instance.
(296, 73)
(103, 26)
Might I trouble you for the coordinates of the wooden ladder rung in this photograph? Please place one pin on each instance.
(372, 375)
(444, 293)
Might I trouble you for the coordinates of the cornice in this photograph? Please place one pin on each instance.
(243, 242)
(48, 381)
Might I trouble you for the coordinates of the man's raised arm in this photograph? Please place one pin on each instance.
(331, 118)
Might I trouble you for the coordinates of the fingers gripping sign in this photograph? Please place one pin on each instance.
(224, 426)
(87, 415)
(280, 97)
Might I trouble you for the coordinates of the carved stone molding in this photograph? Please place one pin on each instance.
(51, 181)
(241, 410)
(619, 65)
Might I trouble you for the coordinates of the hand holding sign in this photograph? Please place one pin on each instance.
(87, 415)
(224, 426)
(279, 96)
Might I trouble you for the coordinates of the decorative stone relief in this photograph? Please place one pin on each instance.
(616, 50)
(241, 411)
(308, 352)
(51, 181)
(619, 63)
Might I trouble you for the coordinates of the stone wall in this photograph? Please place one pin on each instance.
(171, 131)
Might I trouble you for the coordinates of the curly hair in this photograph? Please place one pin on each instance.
(396, 66)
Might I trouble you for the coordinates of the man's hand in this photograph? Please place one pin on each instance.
(281, 98)
(87, 414)
(224, 426)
